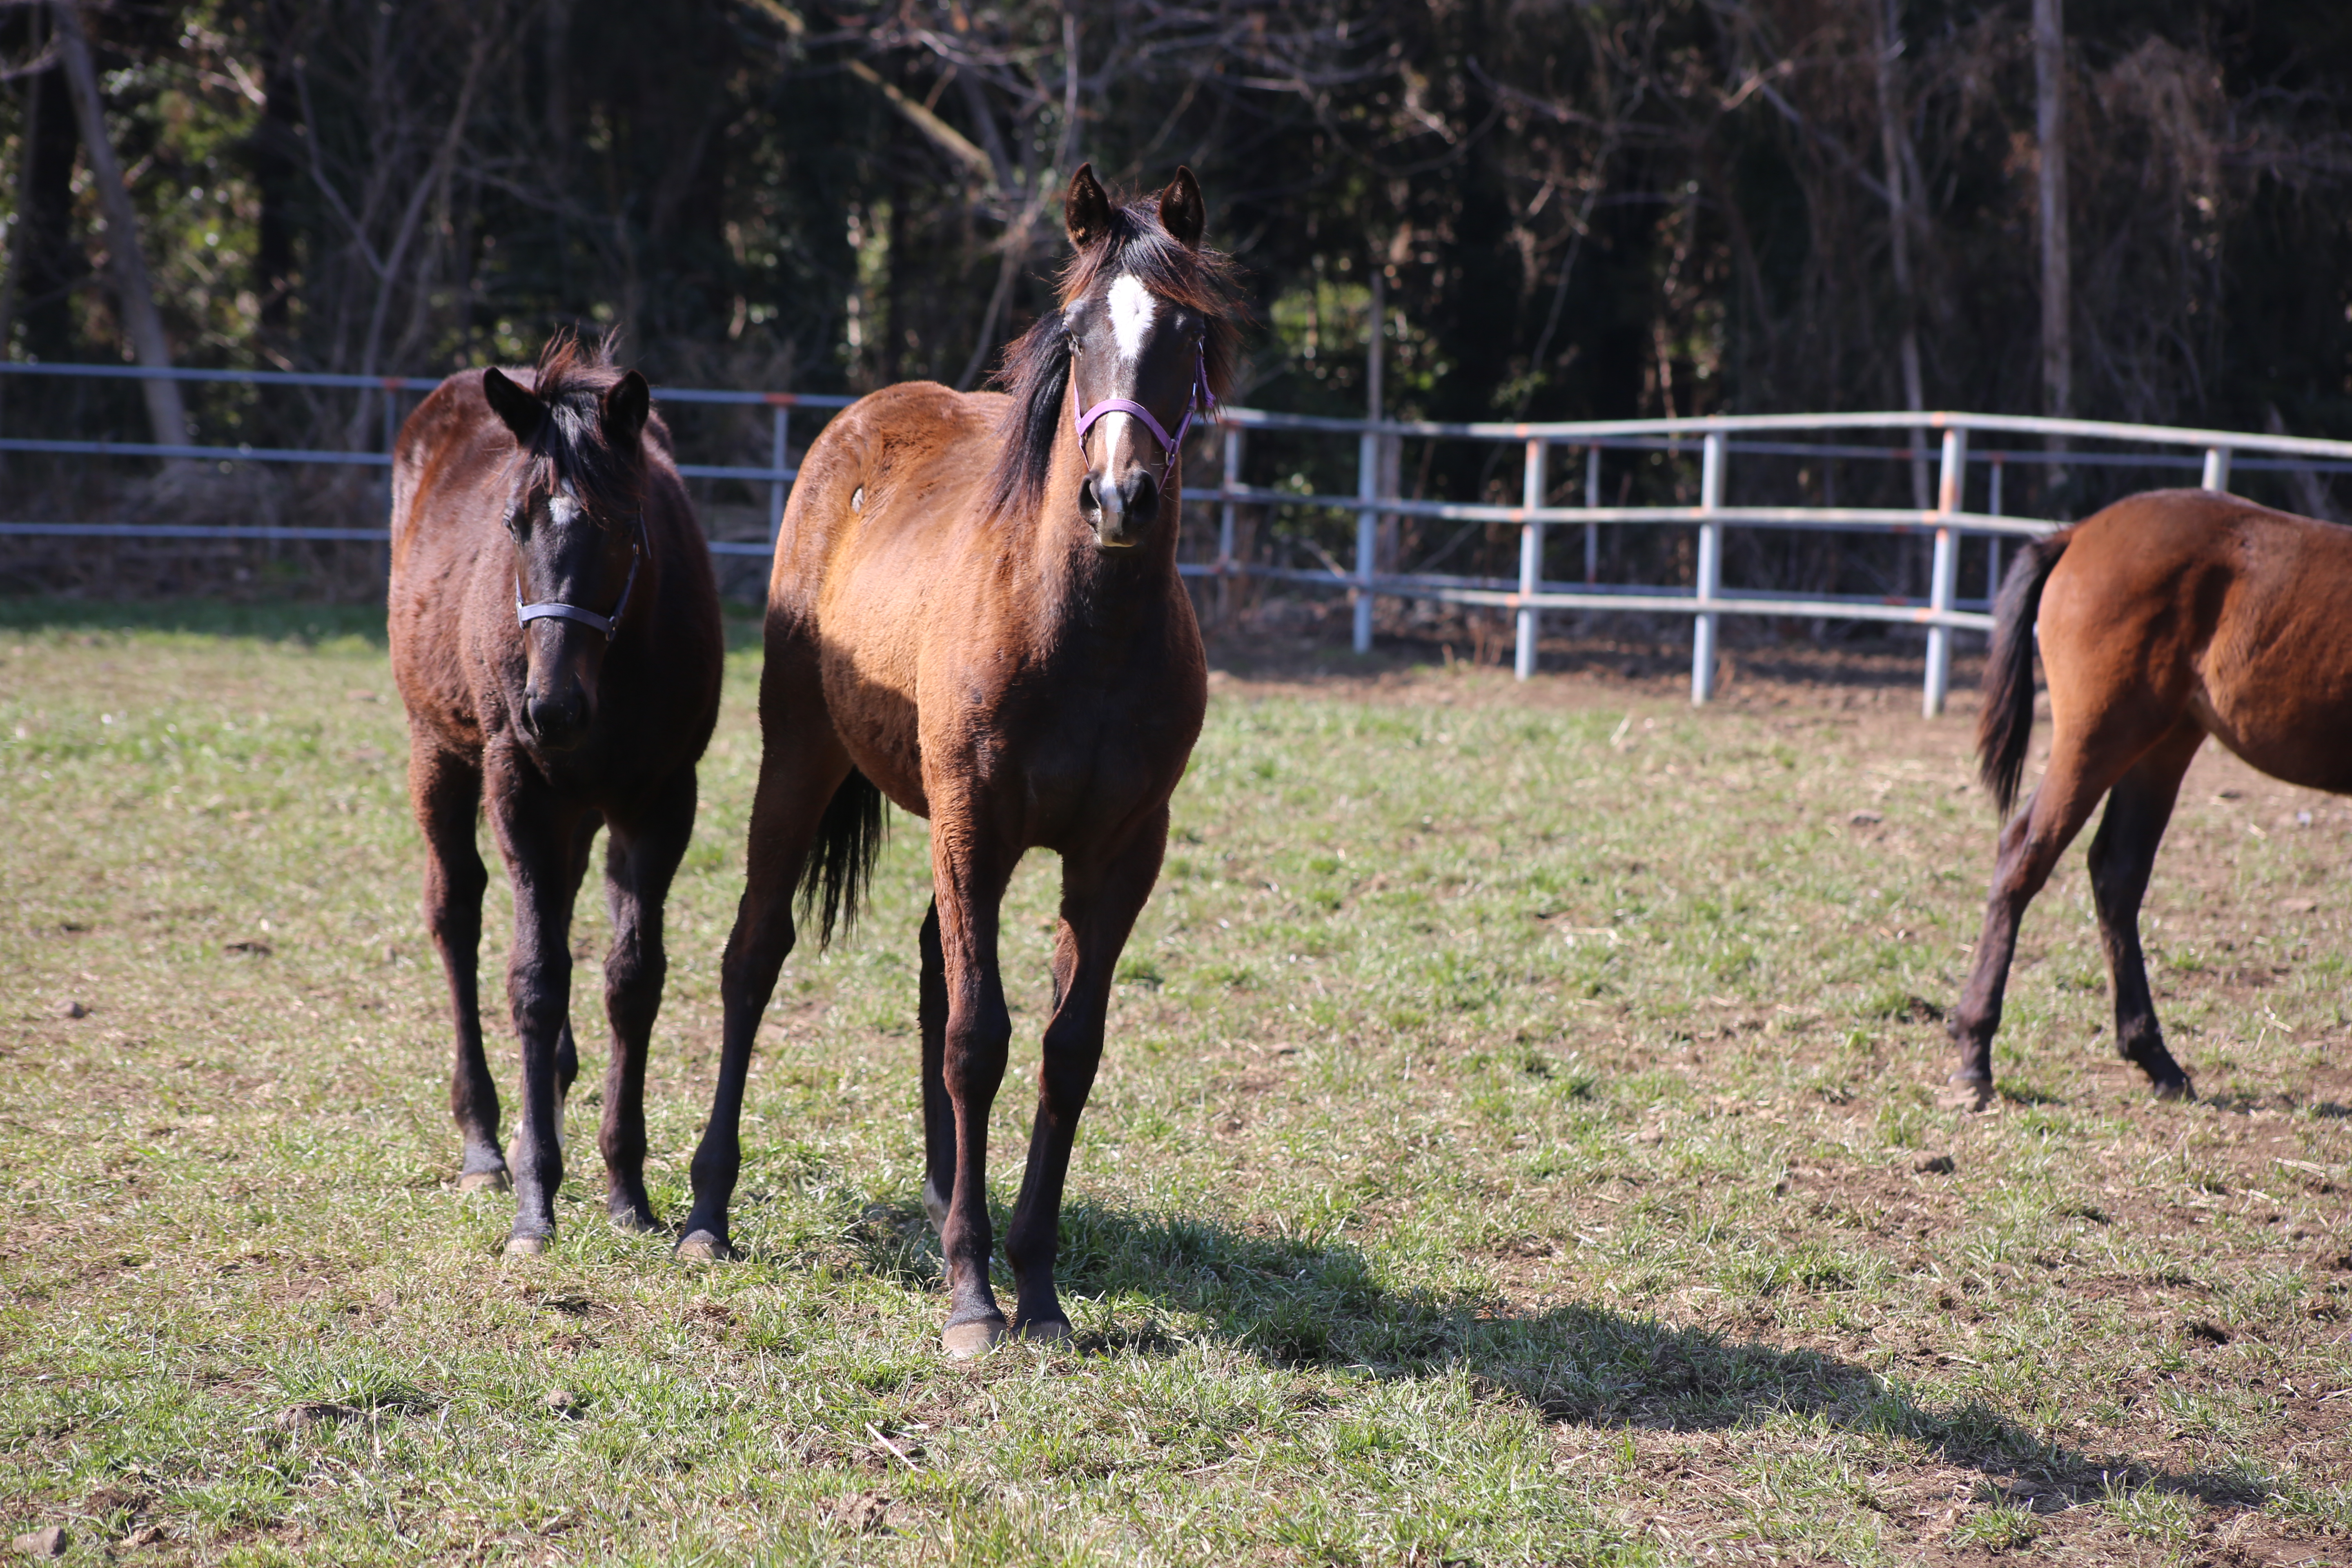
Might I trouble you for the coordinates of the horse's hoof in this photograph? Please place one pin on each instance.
(701, 1247)
(1966, 1092)
(526, 1246)
(635, 1219)
(2179, 1088)
(1045, 1330)
(965, 1340)
(474, 1181)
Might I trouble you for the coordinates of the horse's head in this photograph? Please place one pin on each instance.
(1141, 345)
(576, 516)
(1139, 361)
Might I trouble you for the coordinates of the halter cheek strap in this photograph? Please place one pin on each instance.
(554, 609)
(1198, 400)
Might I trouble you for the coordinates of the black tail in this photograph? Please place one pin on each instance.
(2005, 727)
(841, 865)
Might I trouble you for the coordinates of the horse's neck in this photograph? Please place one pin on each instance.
(1083, 588)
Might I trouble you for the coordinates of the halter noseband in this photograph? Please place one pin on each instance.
(1199, 399)
(555, 610)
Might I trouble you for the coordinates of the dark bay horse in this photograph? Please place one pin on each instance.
(556, 638)
(975, 612)
(2165, 619)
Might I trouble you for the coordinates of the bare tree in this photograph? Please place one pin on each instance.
(165, 413)
(2050, 126)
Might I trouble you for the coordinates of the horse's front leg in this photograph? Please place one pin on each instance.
(640, 858)
(538, 832)
(567, 1052)
(1100, 898)
(969, 871)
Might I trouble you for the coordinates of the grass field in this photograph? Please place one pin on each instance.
(1517, 1144)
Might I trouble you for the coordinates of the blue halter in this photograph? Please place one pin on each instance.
(553, 609)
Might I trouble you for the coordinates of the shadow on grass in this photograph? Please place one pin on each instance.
(1300, 1303)
(305, 623)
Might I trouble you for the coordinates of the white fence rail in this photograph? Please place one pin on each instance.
(1705, 601)
(1716, 440)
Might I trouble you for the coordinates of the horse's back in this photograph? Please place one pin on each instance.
(875, 555)
(894, 470)
(445, 463)
(2210, 603)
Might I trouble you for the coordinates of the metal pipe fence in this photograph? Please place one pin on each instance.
(1716, 440)
(777, 472)
(2212, 453)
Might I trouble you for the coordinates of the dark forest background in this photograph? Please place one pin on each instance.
(1670, 207)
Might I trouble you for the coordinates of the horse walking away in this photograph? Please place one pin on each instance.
(2165, 619)
(975, 612)
(556, 638)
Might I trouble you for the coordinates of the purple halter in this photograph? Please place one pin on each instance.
(557, 610)
(1199, 399)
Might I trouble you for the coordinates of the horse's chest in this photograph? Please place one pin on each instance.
(1078, 766)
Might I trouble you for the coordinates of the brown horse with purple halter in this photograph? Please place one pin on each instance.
(975, 612)
(556, 638)
(2165, 619)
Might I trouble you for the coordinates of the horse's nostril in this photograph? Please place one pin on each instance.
(1088, 502)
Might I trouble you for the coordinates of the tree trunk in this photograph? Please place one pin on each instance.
(2049, 125)
(46, 265)
(165, 413)
(1898, 224)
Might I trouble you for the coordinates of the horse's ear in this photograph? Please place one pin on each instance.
(522, 412)
(628, 401)
(1182, 213)
(1086, 211)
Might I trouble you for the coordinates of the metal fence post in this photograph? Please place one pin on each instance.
(1531, 542)
(1992, 541)
(1710, 569)
(1592, 530)
(390, 440)
(1949, 495)
(777, 435)
(1368, 524)
(1226, 479)
(2217, 469)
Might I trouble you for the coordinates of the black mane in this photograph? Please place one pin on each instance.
(571, 378)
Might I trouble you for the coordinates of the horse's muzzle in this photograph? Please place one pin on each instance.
(558, 718)
(1120, 513)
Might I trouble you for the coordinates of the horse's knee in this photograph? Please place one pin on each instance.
(756, 948)
(633, 978)
(977, 1048)
(539, 991)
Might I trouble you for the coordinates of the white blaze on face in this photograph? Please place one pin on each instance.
(1132, 307)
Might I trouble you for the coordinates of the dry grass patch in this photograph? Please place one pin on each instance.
(1517, 1144)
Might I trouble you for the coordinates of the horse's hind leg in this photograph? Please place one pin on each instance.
(446, 791)
(567, 1050)
(2122, 854)
(1100, 903)
(640, 858)
(2030, 844)
(938, 1110)
(797, 783)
